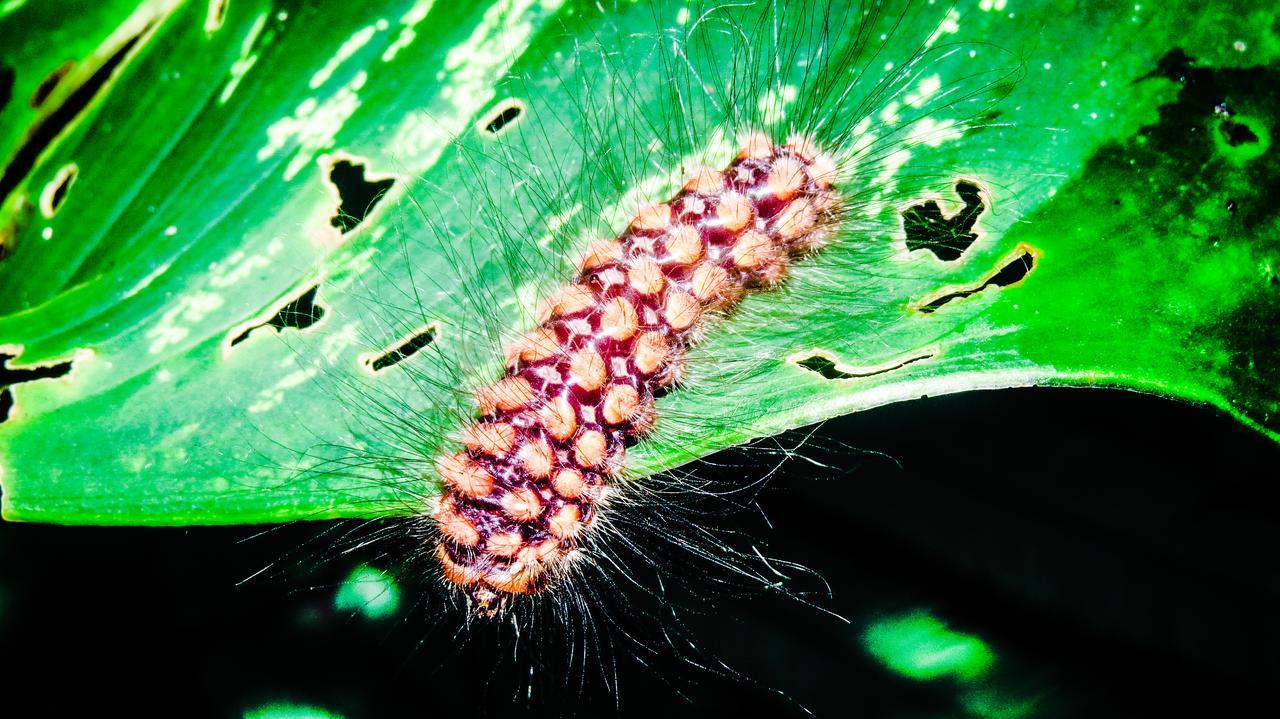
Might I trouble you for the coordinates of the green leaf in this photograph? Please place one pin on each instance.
(1123, 232)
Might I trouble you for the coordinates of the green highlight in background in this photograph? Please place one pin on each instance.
(921, 647)
(290, 711)
(369, 591)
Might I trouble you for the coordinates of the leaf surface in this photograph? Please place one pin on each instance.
(235, 356)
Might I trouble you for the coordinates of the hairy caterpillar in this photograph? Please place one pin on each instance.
(581, 387)
(789, 123)
(583, 374)
(618, 105)
(567, 171)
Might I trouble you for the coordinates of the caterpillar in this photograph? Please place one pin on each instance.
(580, 388)
(763, 130)
(513, 498)
(540, 453)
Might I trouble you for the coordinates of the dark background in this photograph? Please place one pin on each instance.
(1117, 552)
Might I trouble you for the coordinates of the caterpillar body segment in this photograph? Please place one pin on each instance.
(550, 439)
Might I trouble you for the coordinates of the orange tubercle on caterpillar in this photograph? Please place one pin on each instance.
(551, 435)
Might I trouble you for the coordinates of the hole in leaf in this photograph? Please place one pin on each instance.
(298, 314)
(825, 365)
(402, 351)
(358, 196)
(1236, 134)
(1175, 65)
(946, 237)
(50, 126)
(50, 81)
(504, 117)
(216, 14)
(10, 376)
(7, 77)
(1012, 272)
(56, 191)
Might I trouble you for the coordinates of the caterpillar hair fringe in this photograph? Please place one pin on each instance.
(638, 188)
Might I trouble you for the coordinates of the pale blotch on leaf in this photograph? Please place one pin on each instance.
(247, 59)
(408, 29)
(471, 69)
(345, 52)
(313, 125)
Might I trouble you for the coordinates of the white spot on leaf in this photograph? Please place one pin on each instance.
(313, 125)
(246, 61)
(408, 29)
(344, 53)
(176, 324)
